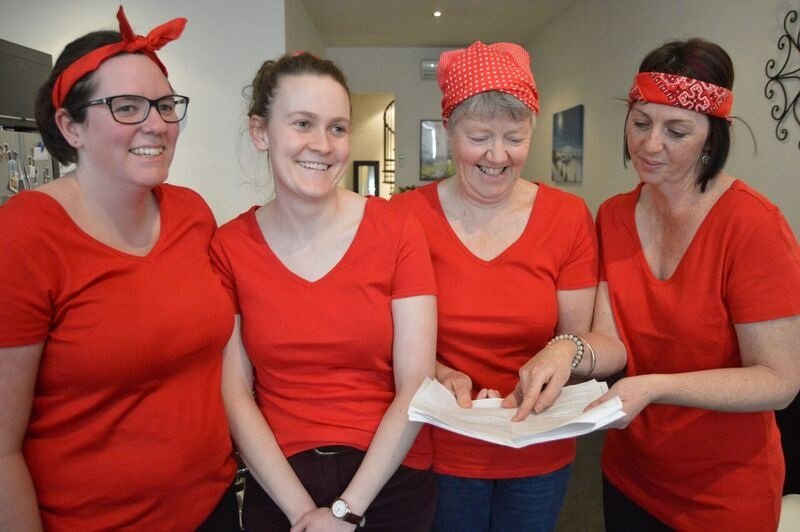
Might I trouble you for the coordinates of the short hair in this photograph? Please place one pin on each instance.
(490, 104)
(45, 111)
(706, 61)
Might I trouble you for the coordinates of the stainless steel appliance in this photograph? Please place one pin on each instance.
(24, 163)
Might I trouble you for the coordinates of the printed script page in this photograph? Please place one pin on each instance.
(487, 421)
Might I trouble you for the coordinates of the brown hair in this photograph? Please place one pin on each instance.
(262, 91)
(45, 112)
(704, 60)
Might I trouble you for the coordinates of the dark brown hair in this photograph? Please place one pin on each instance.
(45, 112)
(704, 60)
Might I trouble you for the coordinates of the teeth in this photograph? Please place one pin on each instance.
(491, 171)
(147, 152)
(314, 166)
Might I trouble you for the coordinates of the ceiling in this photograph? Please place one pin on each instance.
(410, 23)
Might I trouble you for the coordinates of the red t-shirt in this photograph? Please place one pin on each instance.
(691, 468)
(495, 315)
(127, 428)
(322, 351)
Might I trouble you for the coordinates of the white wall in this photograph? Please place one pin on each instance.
(218, 54)
(301, 33)
(396, 70)
(590, 54)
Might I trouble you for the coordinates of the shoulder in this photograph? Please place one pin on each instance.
(562, 211)
(623, 201)
(29, 213)
(25, 200)
(743, 214)
(389, 215)
(183, 209)
(181, 195)
(388, 224)
(420, 198)
(752, 202)
(555, 198)
(236, 226)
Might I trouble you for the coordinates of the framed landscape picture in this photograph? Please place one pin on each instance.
(567, 164)
(434, 153)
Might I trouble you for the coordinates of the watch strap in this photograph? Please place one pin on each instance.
(349, 517)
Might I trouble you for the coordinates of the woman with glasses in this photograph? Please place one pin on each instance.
(112, 330)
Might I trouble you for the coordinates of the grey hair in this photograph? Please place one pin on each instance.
(489, 104)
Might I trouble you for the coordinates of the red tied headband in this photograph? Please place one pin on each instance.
(502, 66)
(132, 43)
(680, 91)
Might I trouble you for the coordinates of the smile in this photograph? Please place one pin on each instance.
(491, 171)
(314, 166)
(147, 152)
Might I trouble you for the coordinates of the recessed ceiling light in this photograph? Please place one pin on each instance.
(437, 13)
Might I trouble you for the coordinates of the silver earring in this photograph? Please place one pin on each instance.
(705, 158)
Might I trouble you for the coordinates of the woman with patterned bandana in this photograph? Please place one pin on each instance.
(516, 270)
(703, 274)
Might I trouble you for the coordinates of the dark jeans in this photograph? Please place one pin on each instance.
(406, 503)
(504, 505)
(623, 515)
(225, 517)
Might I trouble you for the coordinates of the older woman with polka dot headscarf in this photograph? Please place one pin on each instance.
(516, 267)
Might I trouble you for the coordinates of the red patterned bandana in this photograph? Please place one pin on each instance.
(680, 91)
(502, 66)
(130, 42)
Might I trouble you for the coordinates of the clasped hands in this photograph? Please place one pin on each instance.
(321, 520)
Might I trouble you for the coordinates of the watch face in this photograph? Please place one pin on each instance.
(339, 508)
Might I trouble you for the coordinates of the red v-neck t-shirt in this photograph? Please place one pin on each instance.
(697, 469)
(322, 351)
(127, 428)
(495, 315)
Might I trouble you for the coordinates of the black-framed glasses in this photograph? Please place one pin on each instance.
(133, 109)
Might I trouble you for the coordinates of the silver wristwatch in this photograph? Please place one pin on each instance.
(341, 510)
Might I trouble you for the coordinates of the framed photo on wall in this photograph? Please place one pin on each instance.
(567, 164)
(435, 161)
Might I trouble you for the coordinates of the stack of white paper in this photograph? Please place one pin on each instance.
(487, 421)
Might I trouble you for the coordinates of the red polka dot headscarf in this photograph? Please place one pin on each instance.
(502, 66)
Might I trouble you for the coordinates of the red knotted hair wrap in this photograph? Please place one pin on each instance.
(502, 66)
(131, 43)
(680, 91)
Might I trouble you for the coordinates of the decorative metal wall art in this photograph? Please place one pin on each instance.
(783, 82)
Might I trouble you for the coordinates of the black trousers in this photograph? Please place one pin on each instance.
(406, 503)
(623, 515)
(225, 517)
(788, 421)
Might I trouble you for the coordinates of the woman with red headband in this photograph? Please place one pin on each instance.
(111, 334)
(516, 269)
(703, 274)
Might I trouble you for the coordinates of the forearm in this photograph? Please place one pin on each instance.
(748, 389)
(388, 449)
(18, 508)
(609, 354)
(264, 458)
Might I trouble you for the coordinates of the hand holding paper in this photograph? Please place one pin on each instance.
(487, 421)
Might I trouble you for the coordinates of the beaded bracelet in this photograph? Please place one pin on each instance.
(576, 360)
